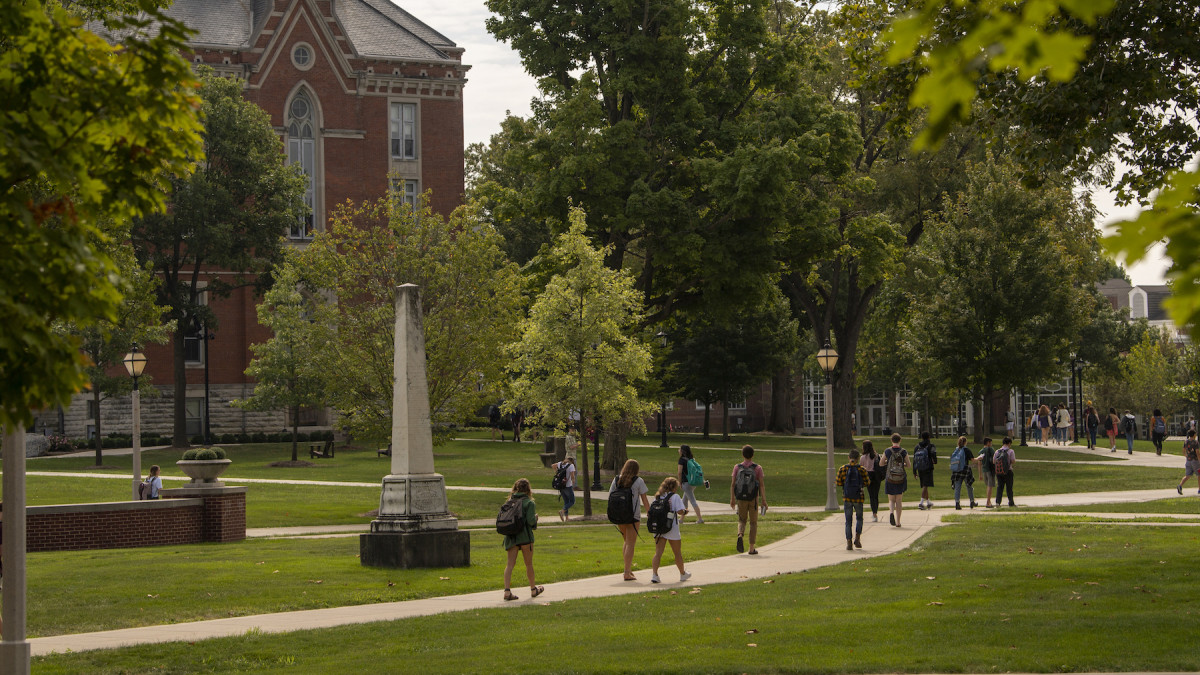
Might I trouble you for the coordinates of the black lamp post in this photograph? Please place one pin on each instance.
(135, 365)
(662, 417)
(205, 335)
(827, 358)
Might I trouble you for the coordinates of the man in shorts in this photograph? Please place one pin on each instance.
(744, 496)
(1191, 461)
(987, 470)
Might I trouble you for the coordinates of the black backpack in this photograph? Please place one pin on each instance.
(560, 477)
(620, 505)
(745, 483)
(511, 519)
(1129, 425)
(923, 458)
(1000, 462)
(658, 518)
(852, 486)
(1107, 423)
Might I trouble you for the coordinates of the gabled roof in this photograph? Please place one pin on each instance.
(373, 27)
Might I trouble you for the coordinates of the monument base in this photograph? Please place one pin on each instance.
(410, 550)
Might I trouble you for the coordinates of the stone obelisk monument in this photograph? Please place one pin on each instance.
(414, 527)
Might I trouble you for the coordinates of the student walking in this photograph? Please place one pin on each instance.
(628, 480)
(987, 469)
(924, 458)
(1044, 423)
(852, 478)
(1129, 426)
(746, 488)
(896, 483)
(522, 541)
(873, 463)
(1091, 422)
(1158, 430)
(677, 510)
(1062, 424)
(1191, 461)
(686, 460)
(564, 481)
(1002, 463)
(1111, 424)
(960, 472)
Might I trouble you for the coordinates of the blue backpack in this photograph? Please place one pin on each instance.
(922, 458)
(958, 460)
(852, 486)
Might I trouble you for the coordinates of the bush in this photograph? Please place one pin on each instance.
(228, 439)
(301, 437)
(109, 443)
(206, 454)
(60, 444)
(191, 454)
(258, 437)
(219, 452)
(327, 435)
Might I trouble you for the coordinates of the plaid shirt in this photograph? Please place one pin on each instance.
(841, 480)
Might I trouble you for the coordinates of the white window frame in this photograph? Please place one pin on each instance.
(403, 130)
(406, 191)
(302, 149)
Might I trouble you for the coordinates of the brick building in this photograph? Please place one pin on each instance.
(366, 98)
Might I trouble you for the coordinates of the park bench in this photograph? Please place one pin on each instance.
(324, 450)
(384, 451)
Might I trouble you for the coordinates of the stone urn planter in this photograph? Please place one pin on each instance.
(203, 471)
(203, 465)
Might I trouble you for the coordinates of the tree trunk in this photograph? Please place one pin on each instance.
(99, 442)
(707, 408)
(615, 445)
(780, 419)
(724, 420)
(587, 467)
(295, 429)
(180, 437)
(843, 405)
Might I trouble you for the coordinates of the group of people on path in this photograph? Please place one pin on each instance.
(868, 470)
(1042, 420)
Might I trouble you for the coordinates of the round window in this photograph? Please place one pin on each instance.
(299, 108)
(302, 56)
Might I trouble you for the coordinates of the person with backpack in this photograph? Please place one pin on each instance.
(564, 482)
(673, 509)
(1091, 422)
(895, 484)
(150, 487)
(1002, 463)
(1158, 430)
(853, 478)
(987, 470)
(873, 463)
(960, 472)
(1191, 461)
(923, 460)
(626, 498)
(1062, 424)
(524, 523)
(690, 470)
(1111, 423)
(746, 488)
(1129, 426)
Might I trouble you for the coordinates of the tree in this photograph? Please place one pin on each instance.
(470, 301)
(722, 360)
(285, 370)
(1088, 82)
(578, 349)
(1002, 285)
(225, 227)
(138, 320)
(684, 131)
(1149, 376)
(81, 145)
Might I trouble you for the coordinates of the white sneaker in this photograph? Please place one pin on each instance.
(654, 579)
(684, 576)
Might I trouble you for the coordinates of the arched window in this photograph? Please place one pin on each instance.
(301, 148)
(1138, 305)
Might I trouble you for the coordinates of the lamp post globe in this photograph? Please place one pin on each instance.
(135, 365)
(827, 358)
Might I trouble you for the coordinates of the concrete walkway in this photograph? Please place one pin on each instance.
(821, 543)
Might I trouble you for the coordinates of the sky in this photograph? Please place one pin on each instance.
(497, 84)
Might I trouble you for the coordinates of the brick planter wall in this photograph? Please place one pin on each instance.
(218, 515)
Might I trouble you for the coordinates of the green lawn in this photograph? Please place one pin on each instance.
(793, 478)
(81, 591)
(1188, 504)
(1023, 594)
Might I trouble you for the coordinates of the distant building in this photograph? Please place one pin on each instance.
(367, 99)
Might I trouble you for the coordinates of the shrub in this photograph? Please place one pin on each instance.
(301, 437)
(258, 437)
(327, 435)
(60, 444)
(228, 439)
(206, 454)
(109, 443)
(191, 454)
(219, 452)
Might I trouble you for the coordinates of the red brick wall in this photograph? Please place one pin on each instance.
(74, 527)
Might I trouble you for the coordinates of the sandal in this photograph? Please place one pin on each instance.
(508, 595)
(630, 578)
(535, 591)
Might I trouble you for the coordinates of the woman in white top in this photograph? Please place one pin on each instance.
(678, 511)
(154, 483)
(628, 478)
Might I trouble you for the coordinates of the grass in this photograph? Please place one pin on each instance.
(1189, 504)
(1023, 593)
(82, 591)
